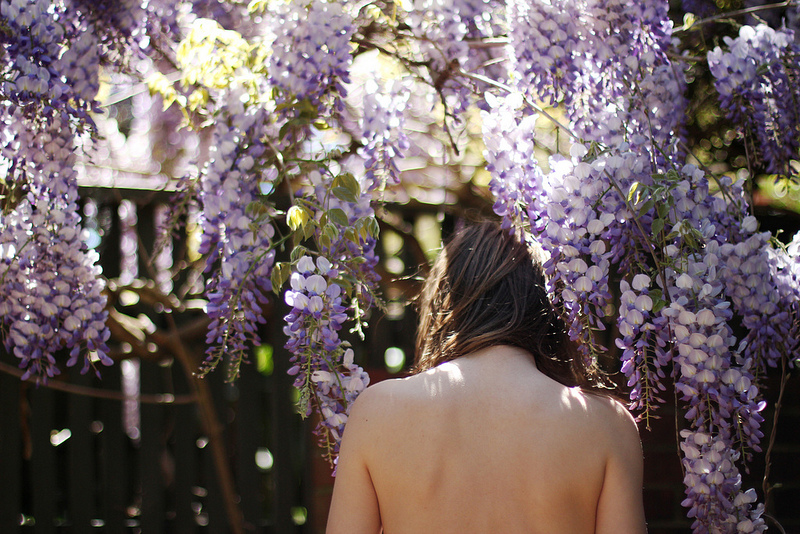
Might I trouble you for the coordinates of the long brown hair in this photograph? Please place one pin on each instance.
(487, 288)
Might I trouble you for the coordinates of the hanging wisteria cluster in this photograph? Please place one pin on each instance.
(756, 77)
(50, 285)
(648, 251)
(237, 244)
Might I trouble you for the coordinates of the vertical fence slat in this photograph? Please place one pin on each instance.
(249, 425)
(43, 464)
(114, 457)
(185, 450)
(150, 453)
(10, 453)
(283, 439)
(81, 496)
(214, 502)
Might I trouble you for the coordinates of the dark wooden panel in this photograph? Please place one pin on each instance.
(184, 441)
(249, 436)
(10, 451)
(114, 457)
(82, 491)
(146, 230)
(43, 482)
(151, 450)
(214, 504)
(284, 439)
(109, 249)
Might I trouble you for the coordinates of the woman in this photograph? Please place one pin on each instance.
(502, 428)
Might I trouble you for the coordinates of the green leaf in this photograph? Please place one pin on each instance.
(338, 216)
(290, 124)
(343, 193)
(257, 6)
(351, 235)
(655, 294)
(306, 110)
(658, 225)
(256, 210)
(663, 209)
(280, 273)
(646, 207)
(346, 283)
(310, 228)
(374, 227)
(361, 227)
(330, 231)
(349, 182)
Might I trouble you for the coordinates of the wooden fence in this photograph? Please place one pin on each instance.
(69, 464)
(80, 456)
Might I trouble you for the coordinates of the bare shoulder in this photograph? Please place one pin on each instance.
(377, 402)
(395, 402)
(402, 391)
(619, 507)
(611, 411)
(375, 416)
(609, 419)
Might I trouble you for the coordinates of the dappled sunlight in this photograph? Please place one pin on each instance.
(446, 376)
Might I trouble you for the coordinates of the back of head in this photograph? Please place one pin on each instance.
(487, 288)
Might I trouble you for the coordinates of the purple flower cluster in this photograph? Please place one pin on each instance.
(442, 28)
(517, 180)
(326, 376)
(544, 42)
(50, 291)
(351, 249)
(721, 396)
(787, 279)
(484, 21)
(126, 29)
(382, 125)
(756, 79)
(311, 53)
(123, 18)
(711, 478)
(37, 77)
(239, 246)
(80, 67)
(569, 52)
(328, 379)
(50, 287)
(714, 381)
(644, 357)
(575, 236)
(578, 217)
(752, 270)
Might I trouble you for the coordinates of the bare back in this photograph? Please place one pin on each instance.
(485, 443)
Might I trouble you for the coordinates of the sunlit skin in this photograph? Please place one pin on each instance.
(484, 444)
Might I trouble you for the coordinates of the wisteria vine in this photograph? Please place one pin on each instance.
(649, 250)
